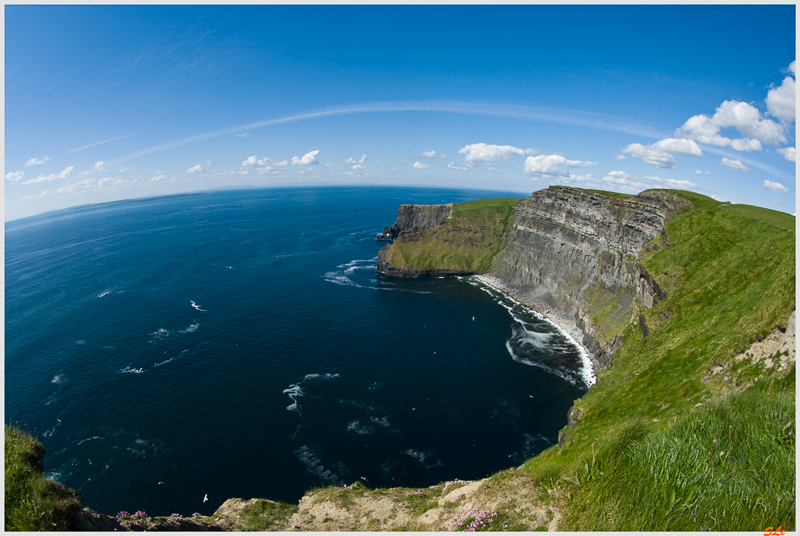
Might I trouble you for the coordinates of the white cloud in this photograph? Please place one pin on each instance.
(431, 154)
(123, 169)
(195, 169)
(36, 161)
(419, 165)
(85, 184)
(781, 101)
(659, 154)
(160, 177)
(620, 157)
(359, 166)
(735, 165)
(775, 186)
(453, 165)
(743, 117)
(489, 153)
(242, 135)
(250, 161)
(674, 145)
(674, 183)
(307, 159)
(531, 151)
(354, 161)
(698, 172)
(98, 166)
(746, 144)
(552, 164)
(651, 155)
(14, 176)
(787, 152)
(47, 178)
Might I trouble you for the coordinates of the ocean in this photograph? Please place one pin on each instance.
(239, 343)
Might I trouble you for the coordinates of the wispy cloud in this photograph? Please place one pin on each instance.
(47, 178)
(419, 165)
(582, 118)
(36, 161)
(98, 143)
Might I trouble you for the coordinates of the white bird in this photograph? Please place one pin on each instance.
(473, 319)
(205, 499)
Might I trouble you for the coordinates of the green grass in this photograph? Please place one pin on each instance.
(33, 502)
(467, 242)
(266, 515)
(729, 465)
(730, 280)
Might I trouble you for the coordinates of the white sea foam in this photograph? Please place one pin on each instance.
(357, 427)
(196, 306)
(314, 466)
(383, 421)
(49, 433)
(129, 370)
(103, 293)
(82, 441)
(58, 378)
(536, 338)
(294, 393)
(326, 376)
(159, 334)
(190, 329)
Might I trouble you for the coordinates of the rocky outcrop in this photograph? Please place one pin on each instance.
(410, 216)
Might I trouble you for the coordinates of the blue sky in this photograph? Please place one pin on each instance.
(116, 102)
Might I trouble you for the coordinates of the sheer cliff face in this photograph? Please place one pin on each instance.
(573, 252)
(410, 216)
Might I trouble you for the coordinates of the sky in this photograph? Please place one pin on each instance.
(116, 102)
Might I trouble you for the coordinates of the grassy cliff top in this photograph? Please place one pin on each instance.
(466, 242)
(678, 433)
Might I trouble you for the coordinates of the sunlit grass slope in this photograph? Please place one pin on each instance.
(467, 242)
(33, 502)
(663, 443)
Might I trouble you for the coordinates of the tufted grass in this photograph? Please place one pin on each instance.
(33, 502)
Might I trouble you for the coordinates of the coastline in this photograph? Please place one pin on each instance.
(566, 325)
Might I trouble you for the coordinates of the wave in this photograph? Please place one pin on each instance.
(197, 306)
(59, 378)
(190, 329)
(294, 393)
(344, 272)
(538, 341)
(103, 293)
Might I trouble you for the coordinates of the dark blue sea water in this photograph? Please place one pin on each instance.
(240, 344)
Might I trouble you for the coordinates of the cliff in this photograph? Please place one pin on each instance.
(568, 253)
(448, 239)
